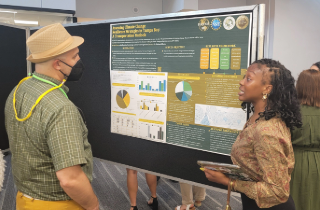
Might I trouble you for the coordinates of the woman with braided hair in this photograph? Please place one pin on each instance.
(263, 148)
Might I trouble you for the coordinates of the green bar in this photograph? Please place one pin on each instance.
(162, 89)
(148, 87)
(225, 58)
(141, 85)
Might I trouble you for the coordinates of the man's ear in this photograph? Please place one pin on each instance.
(56, 64)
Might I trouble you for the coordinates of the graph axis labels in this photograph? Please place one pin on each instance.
(183, 91)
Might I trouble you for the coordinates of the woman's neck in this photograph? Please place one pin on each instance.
(259, 106)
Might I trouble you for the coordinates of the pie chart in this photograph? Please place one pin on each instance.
(183, 91)
(123, 99)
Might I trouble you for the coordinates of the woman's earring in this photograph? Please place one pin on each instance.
(265, 96)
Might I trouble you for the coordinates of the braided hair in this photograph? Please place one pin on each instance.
(283, 100)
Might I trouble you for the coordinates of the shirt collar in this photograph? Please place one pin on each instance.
(55, 81)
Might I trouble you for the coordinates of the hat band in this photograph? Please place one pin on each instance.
(55, 50)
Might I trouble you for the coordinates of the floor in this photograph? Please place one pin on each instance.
(110, 186)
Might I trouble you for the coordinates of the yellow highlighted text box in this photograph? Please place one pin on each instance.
(214, 58)
(151, 121)
(124, 113)
(184, 77)
(152, 94)
(158, 74)
(122, 84)
(226, 76)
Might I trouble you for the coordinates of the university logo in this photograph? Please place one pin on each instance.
(216, 24)
(204, 24)
(242, 22)
(229, 23)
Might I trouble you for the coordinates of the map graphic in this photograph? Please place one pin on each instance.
(219, 116)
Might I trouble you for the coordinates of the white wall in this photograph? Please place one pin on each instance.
(111, 9)
(169, 6)
(191, 4)
(297, 34)
(59, 4)
(172, 6)
(215, 4)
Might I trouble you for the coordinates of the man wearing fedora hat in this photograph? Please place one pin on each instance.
(51, 156)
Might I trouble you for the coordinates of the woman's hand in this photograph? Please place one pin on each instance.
(215, 176)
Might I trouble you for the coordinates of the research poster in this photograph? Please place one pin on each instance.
(176, 81)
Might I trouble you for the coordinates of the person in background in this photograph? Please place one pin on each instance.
(316, 66)
(305, 178)
(190, 193)
(52, 160)
(263, 148)
(132, 184)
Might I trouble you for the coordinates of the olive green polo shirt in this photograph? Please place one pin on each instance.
(53, 138)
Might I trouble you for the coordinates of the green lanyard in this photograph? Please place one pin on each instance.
(51, 83)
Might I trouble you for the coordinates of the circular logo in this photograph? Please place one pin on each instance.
(216, 24)
(229, 23)
(204, 24)
(242, 22)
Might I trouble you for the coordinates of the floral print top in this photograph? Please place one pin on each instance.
(264, 151)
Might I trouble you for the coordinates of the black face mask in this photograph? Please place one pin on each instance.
(76, 71)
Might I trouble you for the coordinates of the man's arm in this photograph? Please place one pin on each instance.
(76, 184)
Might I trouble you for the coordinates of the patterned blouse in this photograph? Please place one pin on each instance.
(264, 151)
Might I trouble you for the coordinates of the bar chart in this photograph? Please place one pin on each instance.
(155, 82)
(148, 87)
(152, 109)
(151, 105)
(151, 131)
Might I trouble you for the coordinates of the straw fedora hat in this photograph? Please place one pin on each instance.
(51, 41)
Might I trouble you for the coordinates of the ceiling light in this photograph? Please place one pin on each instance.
(9, 12)
(26, 22)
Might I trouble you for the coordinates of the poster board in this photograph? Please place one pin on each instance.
(13, 66)
(93, 95)
(176, 81)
